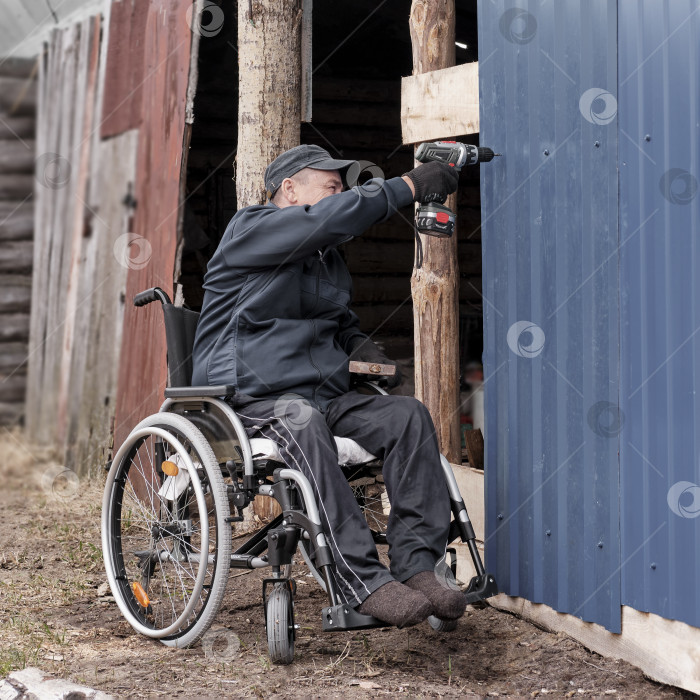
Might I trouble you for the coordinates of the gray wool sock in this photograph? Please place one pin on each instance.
(397, 604)
(447, 603)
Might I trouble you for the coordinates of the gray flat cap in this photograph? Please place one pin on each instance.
(296, 159)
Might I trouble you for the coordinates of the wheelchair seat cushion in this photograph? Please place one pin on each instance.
(349, 452)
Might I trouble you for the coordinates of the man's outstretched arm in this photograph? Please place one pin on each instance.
(262, 236)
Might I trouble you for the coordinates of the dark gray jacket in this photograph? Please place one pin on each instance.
(276, 317)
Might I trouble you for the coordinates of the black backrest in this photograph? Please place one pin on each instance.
(180, 327)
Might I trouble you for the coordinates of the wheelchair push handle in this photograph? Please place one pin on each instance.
(149, 295)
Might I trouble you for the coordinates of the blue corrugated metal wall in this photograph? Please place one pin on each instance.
(659, 123)
(548, 77)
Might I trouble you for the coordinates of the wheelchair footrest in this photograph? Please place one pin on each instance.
(344, 617)
(480, 588)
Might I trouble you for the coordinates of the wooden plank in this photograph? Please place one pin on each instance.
(16, 156)
(15, 294)
(306, 59)
(665, 650)
(142, 374)
(16, 257)
(474, 440)
(42, 217)
(18, 226)
(14, 327)
(13, 67)
(440, 104)
(59, 106)
(471, 486)
(72, 368)
(15, 187)
(17, 127)
(11, 413)
(18, 96)
(13, 358)
(13, 386)
(465, 566)
(126, 70)
(89, 436)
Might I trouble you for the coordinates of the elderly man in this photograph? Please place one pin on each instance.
(276, 324)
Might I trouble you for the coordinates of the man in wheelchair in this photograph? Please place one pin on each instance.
(276, 324)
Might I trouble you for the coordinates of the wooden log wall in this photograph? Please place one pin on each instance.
(351, 119)
(17, 154)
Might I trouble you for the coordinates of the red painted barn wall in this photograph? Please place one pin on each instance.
(121, 106)
(166, 58)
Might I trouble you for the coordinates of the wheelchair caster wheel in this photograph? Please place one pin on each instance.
(441, 625)
(280, 625)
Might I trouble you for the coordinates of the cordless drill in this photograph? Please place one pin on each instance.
(434, 219)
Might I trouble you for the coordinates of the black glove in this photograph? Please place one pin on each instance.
(433, 181)
(364, 350)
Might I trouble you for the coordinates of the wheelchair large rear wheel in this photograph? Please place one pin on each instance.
(165, 538)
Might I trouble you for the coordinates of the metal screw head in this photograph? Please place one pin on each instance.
(653, 565)
(600, 545)
(647, 137)
(546, 151)
(548, 533)
(500, 516)
(597, 144)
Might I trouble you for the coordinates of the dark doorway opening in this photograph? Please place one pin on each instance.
(361, 51)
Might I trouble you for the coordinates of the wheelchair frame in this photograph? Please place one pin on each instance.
(274, 545)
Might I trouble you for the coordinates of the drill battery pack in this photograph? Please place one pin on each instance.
(435, 220)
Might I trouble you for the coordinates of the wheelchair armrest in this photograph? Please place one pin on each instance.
(195, 392)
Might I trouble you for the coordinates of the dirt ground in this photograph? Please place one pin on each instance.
(51, 616)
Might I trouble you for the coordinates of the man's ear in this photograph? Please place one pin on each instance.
(288, 190)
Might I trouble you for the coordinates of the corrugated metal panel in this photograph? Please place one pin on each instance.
(166, 65)
(659, 123)
(550, 237)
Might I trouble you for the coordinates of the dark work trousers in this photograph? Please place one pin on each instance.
(397, 429)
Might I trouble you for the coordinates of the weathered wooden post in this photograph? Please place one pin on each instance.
(269, 94)
(269, 105)
(434, 286)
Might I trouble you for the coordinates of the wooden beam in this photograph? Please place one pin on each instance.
(665, 650)
(471, 486)
(440, 104)
(269, 111)
(434, 285)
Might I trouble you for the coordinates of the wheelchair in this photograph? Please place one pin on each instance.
(183, 477)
